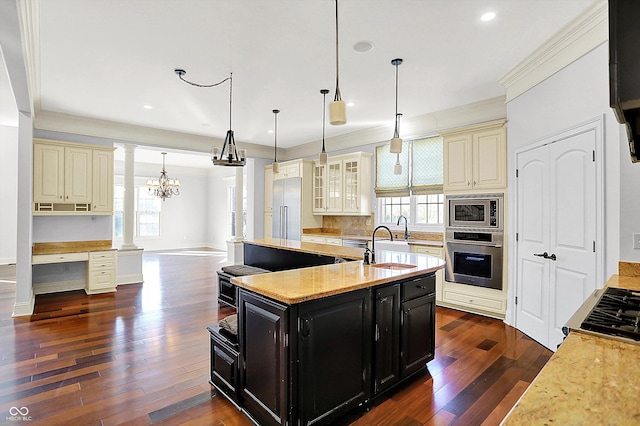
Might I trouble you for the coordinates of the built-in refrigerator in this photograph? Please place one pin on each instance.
(287, 211)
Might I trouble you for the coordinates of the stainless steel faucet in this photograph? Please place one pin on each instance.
(406, 223)
(373, 242)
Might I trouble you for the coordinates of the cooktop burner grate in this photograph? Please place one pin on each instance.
(617, 313)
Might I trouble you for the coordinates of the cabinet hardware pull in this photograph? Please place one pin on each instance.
(422, 287)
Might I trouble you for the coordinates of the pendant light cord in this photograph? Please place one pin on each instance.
(337, 96)
(396, 133)
(231, 94)
(324, 107)
(275, 135)
(181, 73)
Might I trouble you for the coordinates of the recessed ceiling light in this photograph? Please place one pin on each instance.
(363, 46)
(489, 16)
(269, 131)
(147, 107)
(350, 104)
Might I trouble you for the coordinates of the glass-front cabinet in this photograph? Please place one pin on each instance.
(343, 185)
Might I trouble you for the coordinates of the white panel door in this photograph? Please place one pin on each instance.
(556, 225)
(573, 228)
(533, 240)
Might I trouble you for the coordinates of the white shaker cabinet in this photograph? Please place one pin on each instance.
(475, 158)
(71, 178)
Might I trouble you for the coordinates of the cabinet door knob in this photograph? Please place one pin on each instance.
(468, 183)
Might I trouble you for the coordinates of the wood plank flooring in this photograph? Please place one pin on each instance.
(140, 356)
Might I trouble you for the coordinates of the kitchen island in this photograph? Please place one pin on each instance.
(316, 342)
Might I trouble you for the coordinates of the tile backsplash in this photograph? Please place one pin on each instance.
(361, 226)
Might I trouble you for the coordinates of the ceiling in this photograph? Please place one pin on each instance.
(107, 59)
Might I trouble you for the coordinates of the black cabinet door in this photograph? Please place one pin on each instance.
(334, 373)
(262, 326)
(418, 334)
(386, 368)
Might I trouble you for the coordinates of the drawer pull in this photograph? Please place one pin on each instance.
(422, 287)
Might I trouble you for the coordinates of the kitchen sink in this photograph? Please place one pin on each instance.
(401, 246)
(393, 265)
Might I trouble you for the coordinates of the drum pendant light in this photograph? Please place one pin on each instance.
(337, 110)
(395, 145)
(323, 155)
(275, 166)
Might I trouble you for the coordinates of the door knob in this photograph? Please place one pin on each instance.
(545, 255)
(553, 257)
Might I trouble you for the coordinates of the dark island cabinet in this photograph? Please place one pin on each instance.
(386, 337)
(418, 334)
(334, 343)
(264, 370)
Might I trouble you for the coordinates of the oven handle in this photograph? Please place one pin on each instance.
(474, 243)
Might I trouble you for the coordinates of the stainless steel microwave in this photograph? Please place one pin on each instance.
(475, 211)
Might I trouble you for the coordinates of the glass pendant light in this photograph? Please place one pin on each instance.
(395, 145)
(323, 155)
(275, 166)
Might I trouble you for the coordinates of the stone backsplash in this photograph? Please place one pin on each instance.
(361, 226)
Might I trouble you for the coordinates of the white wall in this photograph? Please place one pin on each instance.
(183, 221)
(574, 95)
(8, 193)
(217, 207)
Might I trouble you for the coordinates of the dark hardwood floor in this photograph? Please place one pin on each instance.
(141, 356)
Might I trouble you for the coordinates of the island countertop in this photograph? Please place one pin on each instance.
(587, 381)
(299, 285)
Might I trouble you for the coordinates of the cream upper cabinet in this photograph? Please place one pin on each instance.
(288, 169)
(268, 189)
(78, 175)
(48, 173)
(475, 158)
(103, 181)
(319, 178)
(71, 178)
(343, 185)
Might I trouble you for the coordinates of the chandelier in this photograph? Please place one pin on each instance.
(229, 156)
(164, 187)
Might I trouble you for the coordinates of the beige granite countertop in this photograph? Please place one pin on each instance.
(414, 241)
(299, 285)
(315, 248)
(589, 380)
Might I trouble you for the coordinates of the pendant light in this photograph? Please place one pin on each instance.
(395, 145)
(323, 154)
(275, 166)
(337, 110)
(229, 155)
(397, 168)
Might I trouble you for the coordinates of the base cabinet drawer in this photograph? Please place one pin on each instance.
(475, 300)
(101, 272)
(224, 365)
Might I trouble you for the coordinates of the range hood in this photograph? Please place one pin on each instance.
(624, 68)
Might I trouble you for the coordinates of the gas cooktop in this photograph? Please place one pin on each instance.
(616, 313)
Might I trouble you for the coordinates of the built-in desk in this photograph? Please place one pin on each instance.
(100, 257)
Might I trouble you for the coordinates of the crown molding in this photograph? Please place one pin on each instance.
(586, 32)
(415, 127)
(138, 135)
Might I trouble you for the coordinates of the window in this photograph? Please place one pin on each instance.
(147, 212)
(231, 201)
(417, 192)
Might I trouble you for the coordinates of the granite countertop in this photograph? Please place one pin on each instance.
(299, 285)
(352, 253)
(71, 247)
(410, 241)
(587, 381)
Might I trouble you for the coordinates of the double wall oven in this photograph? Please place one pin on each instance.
(474, 239)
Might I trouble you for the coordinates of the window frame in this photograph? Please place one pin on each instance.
(411, 226)
(136, 216)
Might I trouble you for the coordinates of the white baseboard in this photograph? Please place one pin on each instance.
(22, 309)
(130, 279)
(58, 286)
(7, 260)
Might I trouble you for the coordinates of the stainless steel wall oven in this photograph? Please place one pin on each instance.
(474, 257)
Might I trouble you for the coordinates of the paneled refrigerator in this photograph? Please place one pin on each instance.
(287, 208)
